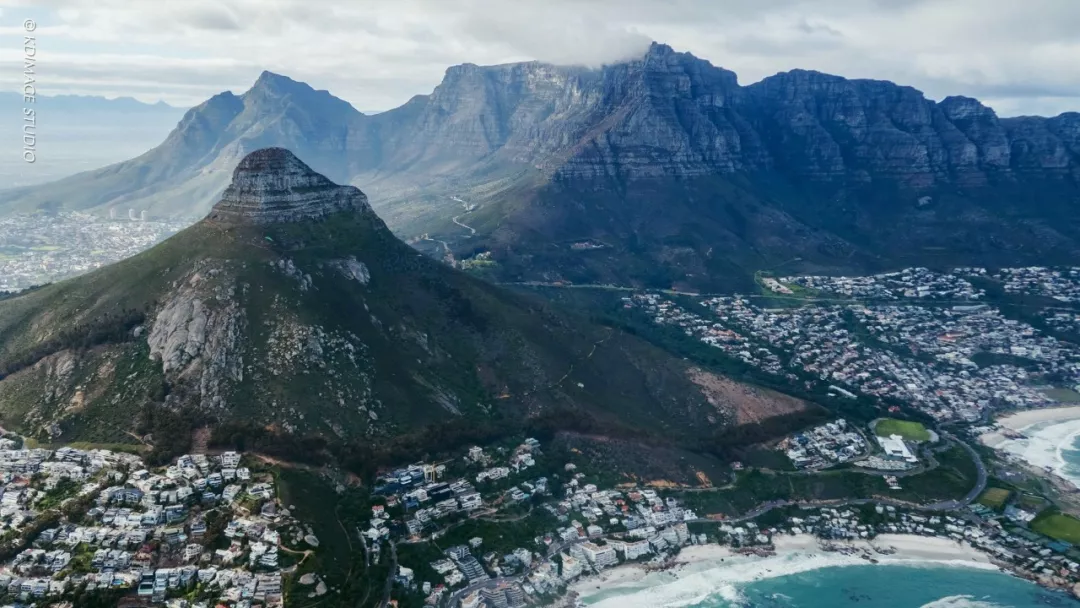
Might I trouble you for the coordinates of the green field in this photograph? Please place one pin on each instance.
(994, 498)
(912, 431)
(1058, 526)
(1064, 395)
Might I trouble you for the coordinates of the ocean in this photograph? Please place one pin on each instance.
(930, 585)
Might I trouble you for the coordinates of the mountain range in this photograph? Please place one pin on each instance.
(292, 307)
(662, 170)
(69, 107)
(79, 133)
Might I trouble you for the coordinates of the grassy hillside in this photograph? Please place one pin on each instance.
(317, 352)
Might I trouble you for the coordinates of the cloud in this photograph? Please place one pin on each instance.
(378, 53)
(579, 34)
(210, 18)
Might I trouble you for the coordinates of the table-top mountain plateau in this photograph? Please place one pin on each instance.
(658, 170)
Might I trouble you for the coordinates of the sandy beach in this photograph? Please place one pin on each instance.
(1019, 420)
(907, 547)
(631, 577)
(716, 563)
(1047, 445)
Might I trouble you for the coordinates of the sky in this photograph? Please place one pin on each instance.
(1017, 56)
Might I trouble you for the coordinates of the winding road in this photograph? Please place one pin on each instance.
(469, 208)
(389, 585)
(945, 505)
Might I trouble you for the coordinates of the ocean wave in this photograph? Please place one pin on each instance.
(1049, 445)
(710, 583)
(960, 601)
(723, 581)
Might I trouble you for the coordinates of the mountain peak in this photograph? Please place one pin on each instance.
(269, 79)
(659, 49)
(279, 92)
(271, 85)
(272, 185)
(271, 160)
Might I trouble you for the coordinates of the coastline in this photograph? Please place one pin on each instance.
(906, 548)
(708, 572)
(711, 568)
(1016, 421)
(1039, 438)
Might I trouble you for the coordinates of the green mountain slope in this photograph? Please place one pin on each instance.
(292, 306)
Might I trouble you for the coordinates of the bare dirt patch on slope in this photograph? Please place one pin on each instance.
(743, 403)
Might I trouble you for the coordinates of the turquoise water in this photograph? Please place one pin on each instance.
(1070, 453)
(737, 585)
(890, 587)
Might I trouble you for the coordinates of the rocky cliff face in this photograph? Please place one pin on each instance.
(196, 335)
(672, 114)
(666, 114)
(271, 185)
(1044, 146)
(825, 127)
(663, 114)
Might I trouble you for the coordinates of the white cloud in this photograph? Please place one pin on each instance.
(1020, 56)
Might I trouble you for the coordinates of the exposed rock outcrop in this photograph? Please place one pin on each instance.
(353, 269)
(271, 185)
(58, 369)
(826, 127)
(195, 335)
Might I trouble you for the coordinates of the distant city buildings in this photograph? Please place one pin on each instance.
(919, 283)
(1062, 284)
(38, 249)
